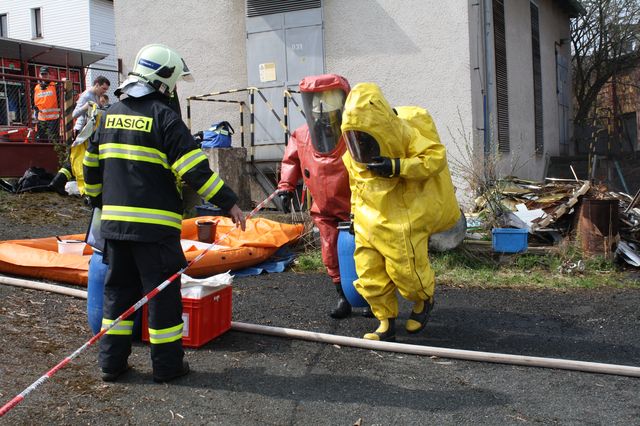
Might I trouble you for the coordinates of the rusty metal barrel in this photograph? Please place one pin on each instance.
(598, 227)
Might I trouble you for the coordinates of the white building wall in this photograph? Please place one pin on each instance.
(417, 51)
(521, 159)
(421, 52)
(553, 25)
(78, 24)
(209, 35)
(103, 40)
(64, 23)
(554, 29)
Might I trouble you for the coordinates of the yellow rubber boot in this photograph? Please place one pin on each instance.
(419, 316)
(385, 332)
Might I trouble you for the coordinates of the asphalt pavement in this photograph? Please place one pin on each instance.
(248, 379)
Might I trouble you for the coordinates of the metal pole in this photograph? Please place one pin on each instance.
(253, 134)
(285, 117)
(189, 114)
(68, 112)
(242, 124)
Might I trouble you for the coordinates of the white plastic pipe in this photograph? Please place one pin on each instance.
(529, 361)
(36, 285)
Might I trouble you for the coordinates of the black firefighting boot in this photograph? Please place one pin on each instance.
(58, 182)
(176, 374)
(419, 316)
(386, 331)
(343, 309)
(112, 376)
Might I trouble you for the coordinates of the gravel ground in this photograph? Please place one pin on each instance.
(249, 379)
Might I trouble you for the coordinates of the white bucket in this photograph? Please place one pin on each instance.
(71, 247)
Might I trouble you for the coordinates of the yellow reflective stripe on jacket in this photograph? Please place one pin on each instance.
(188, 161)
(211, 187)
(92, 190)
(123, 328)
(65, 172)
(91, 160)
(165, 335)
(142, 215)
(133, 152)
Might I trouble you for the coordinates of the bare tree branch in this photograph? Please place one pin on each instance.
(605, 41)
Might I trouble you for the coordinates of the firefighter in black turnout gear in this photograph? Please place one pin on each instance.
(133, 169)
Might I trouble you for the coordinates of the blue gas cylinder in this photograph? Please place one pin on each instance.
(346, 248)
(95, 289)
(95, 295)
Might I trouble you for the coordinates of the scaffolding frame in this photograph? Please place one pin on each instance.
(263, 181)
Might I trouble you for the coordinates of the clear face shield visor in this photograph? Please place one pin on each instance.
(323, 111)
(362, 146)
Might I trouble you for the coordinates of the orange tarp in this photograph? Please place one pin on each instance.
(39, 257)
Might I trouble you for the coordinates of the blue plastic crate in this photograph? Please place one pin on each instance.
(510, 240)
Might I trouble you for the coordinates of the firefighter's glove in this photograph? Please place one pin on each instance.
(385, 166)
(285, 198)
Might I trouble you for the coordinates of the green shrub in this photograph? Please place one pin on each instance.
(310, 261)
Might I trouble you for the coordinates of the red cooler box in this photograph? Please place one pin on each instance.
(204, 319)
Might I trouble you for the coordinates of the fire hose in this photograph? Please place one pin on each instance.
(22, 395)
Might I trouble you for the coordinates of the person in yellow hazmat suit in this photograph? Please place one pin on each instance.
(401, 192)
(73, 166)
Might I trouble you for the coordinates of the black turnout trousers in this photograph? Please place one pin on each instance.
(136, 268)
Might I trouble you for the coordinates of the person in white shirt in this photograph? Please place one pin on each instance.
(100, 86)
(81, 112)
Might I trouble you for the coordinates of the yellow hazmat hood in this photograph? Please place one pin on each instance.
(367, 110)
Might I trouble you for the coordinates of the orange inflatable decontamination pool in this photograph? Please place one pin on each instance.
(39, 257)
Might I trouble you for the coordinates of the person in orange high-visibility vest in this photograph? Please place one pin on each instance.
(45, 100)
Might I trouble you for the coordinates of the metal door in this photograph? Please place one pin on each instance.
(282, 48)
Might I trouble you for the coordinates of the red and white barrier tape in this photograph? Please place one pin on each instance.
(18, 398)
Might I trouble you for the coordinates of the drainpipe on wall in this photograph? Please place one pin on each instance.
(489, 72)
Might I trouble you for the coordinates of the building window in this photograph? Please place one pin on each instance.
(36, 23)
(502, 89)
(3, 26)
(537, 80)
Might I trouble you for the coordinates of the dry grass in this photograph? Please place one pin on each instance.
(484, 173)
(39, 208)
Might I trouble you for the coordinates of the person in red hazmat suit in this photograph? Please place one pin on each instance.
(314, 153)
(401, 192)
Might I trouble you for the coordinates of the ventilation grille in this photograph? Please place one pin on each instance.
(269, 7)
(502, 92)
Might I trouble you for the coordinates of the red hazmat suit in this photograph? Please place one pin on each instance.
(323, 173)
